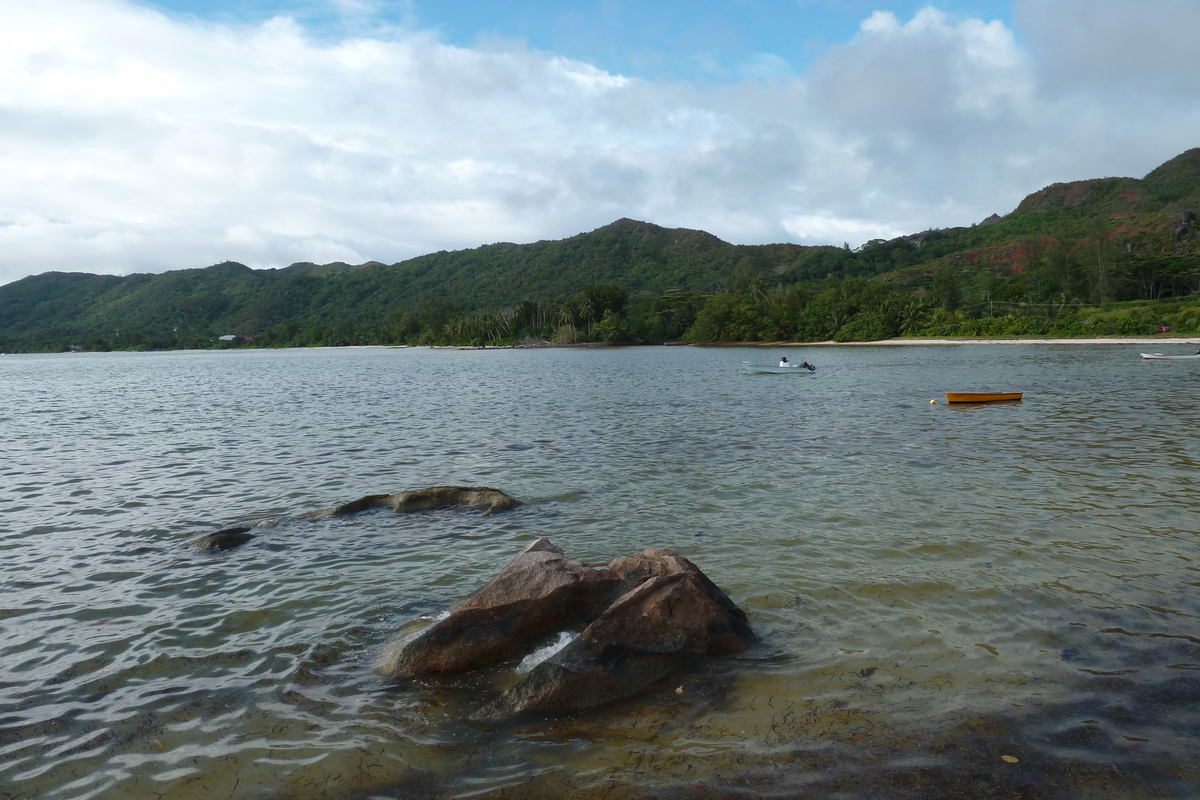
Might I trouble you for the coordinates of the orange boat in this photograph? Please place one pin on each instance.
(983, 397)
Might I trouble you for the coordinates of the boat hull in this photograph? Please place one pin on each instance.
(983, 397)
(1161, 357)
(771, 369)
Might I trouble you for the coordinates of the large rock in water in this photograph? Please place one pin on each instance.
(674, 614)
(540, 591)
(490, 500)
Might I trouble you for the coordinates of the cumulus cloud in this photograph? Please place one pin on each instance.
(131, 141)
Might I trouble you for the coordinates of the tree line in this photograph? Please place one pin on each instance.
(1060, 291)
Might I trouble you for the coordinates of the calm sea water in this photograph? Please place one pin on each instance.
(974, 601)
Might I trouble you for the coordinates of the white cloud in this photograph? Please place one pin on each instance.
(1115, 46)
(825, 229)
(1117, 79)
(130, 141)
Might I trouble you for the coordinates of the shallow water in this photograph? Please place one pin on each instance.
(936, 587)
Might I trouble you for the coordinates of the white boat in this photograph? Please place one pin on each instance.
(1161, 357)
(774, 369)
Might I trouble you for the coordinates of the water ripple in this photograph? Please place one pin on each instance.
(935, 587)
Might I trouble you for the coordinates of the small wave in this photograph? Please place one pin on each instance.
(542, 653)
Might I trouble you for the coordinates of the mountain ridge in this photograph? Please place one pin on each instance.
(1126, 218)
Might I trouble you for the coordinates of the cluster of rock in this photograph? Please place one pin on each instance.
(645, 615)
(641, 616)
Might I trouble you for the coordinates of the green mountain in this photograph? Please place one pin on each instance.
(232, 298)
(1074, 245)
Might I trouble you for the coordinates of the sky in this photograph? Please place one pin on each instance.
(169, 134)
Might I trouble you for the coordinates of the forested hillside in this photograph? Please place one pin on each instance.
(1104, 256)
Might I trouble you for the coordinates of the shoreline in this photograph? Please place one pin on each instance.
(1190, 341)
(1176, 341)
(1193, 341)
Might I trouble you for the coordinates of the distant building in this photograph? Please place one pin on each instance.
(229, 337)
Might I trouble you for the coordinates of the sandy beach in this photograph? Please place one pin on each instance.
(1142, 341)
(1155, 341)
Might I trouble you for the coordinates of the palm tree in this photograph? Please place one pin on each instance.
(912, 317)
(587, 311)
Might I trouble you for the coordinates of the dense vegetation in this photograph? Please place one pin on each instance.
(1112, 256)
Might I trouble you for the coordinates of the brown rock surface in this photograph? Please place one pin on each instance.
(540, 591)
(661, 561)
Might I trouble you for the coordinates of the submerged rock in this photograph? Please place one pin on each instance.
(645, 635)
(225, 539)
(476, 497)
(540, 591)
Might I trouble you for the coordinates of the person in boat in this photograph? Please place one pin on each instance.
(783, 362)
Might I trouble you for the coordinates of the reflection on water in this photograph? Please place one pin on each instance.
(968, 600)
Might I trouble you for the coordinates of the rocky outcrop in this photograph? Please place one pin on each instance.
(225, 539)
(1185, 222)
(540, 591)
(640, 639)
(646, 615)
(474, 497)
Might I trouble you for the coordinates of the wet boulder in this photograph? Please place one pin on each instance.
(225, 539)
(436, 497)
(673, 615)
(540, 591)
(656, 561)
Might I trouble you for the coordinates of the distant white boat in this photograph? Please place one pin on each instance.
(1161, 357)
(775, 369)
